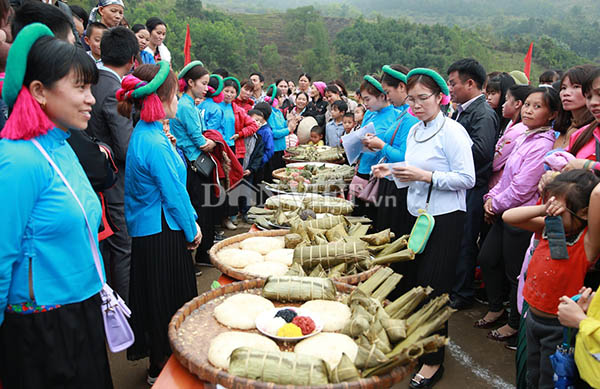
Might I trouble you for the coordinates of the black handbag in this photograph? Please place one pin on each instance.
(204, 165)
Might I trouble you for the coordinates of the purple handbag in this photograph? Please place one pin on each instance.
(119, 335)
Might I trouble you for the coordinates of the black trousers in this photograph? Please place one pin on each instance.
(467, 260)
(501, 258)
(116, 252)
(392, 211)
(205, 203)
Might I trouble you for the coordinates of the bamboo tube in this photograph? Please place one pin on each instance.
(396, 245)
(400, 256)
(423, 331)
(387, 287)
(375, 280)
(426, 312)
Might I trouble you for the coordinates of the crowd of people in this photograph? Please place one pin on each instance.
(99, 133)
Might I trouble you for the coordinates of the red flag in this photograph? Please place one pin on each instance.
(187, 47)
(527, 61)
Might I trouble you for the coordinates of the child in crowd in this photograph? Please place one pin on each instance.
(143, 37)
(359, 114)
(93, 37)
(335, 128)
(503, 250)
(511, 110)
(495, 93)
(548, 78)
(261, 114)
(575, 197)
(348, 122)
(316, 136)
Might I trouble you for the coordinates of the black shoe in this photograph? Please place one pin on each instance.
(511, 344)
(426, 382)
(460, 303)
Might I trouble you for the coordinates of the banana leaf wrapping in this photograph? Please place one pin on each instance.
(329, 255)
(337, 271)
(369, 356)
(345, 371)
(332, 205)
(357, 230)
(318, 271)
(292, 240)
(357, 325)
(284, 368)
(379, 238)
(296, 270)
(379, 338)
(395, 329)
(314, 232)
(336, 233)
(293, 288)
(326, 223)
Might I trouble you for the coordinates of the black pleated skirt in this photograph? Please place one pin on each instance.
(435, 267)
(392, 211)
(162, 281)
(61, 348)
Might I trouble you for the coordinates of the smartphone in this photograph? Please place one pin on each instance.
(557, 240)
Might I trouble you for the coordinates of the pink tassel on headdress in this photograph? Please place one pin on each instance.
(128, 85)
(445, 100)
(27, 119)
(152, 109)
(274, 102)
(182, 85)
(410, 111)
(219, 98)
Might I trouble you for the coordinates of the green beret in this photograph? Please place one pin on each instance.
(16, 63)
(187, 68)
(371, 80)
(157, 81)
(394, 73)
(237, 82)
(434, 75)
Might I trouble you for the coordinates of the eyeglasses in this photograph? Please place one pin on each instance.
(418, 99)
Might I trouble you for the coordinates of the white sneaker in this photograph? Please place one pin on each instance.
(229, 224)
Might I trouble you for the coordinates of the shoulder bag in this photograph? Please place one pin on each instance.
(115, 312)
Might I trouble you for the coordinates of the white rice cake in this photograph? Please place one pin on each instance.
(223, 345)
(329, 347)
(239, 259)
(262, 244)
(285, 256)
(333, 314)
(241, 310)
(266, 269)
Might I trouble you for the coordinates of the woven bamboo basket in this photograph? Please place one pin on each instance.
(239, 275)
(279, 174)
(193, 353)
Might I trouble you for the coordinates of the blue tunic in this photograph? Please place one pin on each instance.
(280, 129)
(228, 123)
(187, 127)
(43, 230)
(212, 114)
(155, 180)
(382, 120)
(396, 151)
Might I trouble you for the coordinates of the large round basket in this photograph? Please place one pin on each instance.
(193, 353)
(236, 274)
(290, 159)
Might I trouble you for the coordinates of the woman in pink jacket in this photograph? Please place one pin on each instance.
(503, 250)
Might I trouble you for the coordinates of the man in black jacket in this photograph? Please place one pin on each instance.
(465, 81)
(119, 47)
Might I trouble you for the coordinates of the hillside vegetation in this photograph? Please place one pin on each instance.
(282, 44)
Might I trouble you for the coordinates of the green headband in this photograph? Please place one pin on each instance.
(16, 63)
(274, 94)
(371, 80)
(219, 88)
(187, 68)
(394, 73)
(237, 82)
(434, 75)
(156, 82)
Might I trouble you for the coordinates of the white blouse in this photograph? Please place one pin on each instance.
(444, 147)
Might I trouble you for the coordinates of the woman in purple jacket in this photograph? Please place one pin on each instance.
(504, 247)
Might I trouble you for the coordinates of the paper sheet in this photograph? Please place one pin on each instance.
(353, 145)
